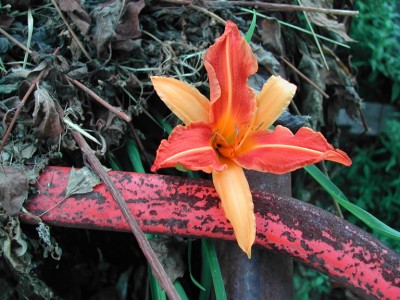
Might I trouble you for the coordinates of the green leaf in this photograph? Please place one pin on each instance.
(210, 254)
(8, 88)
(181, 292)
(156, 291)
(195, 282)
(252, 27)
(134, 156)
(338, 195)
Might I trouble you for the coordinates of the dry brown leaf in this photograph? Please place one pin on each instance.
(323, 20)
(116, 23)
(13, 189)
(47, 115)
(77, 14)
(129, 25)
(106, 18)
(271, 36)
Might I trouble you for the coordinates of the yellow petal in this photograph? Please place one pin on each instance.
(272, 100)
(237, 203)
(185, 101)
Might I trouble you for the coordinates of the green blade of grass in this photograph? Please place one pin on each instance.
(315, 37)
(210, 253)
(252, 27)
(30, 33)
(338, 195)
(156, 291)
(181, 292)
(195, 282)
(206, 280)
(321, 37)
(114, 162)
(134, 156)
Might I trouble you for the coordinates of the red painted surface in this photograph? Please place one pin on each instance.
(186, 207)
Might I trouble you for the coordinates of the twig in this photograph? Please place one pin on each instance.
(298, 72)
(74, 36)
(11, 38)
(148, 252)
(314, 36)
(289, 7)
(140, 144)
(21, 105)
(120, 114)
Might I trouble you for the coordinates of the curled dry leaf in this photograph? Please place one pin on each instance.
(77, 14)
(271, 35)
(13, 189)
(128, 28)
(116, 24)
(322, 20)
(81, 181)
(47, 115)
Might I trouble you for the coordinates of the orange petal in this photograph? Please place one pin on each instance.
(229, 63)
(280, 151)
(188, 146)
(185, 101)
(272, 100)
(237, 203)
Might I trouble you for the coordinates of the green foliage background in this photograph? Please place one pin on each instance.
(373, 181)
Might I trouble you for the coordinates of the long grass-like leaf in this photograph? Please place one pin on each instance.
(134, 156)
(181, 292)
(338, 195)
(30, 33)
(216, 275)
(206, 280)
(195, 282)
(250, 32)
(315, 37)
(321, 37)
(156, 291)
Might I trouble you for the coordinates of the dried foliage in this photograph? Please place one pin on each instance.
(112, 48)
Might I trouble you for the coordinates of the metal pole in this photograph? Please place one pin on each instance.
(267, 275)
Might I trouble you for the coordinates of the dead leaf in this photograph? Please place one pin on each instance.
(312, 100)
(342, 88)
(116, 23)
(13, 189)
(271, 35)
(106, 18)
(81, 181)
(129, 25)
(293, 122)
(323, 20)
(47, 115)
(169, 251)
(6, 21)
(77, 14)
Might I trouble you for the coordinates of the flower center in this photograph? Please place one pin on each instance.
(224, 147)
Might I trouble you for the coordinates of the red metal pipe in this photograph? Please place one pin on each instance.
(187, 207)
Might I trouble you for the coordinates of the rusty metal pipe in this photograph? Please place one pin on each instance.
(188, 207)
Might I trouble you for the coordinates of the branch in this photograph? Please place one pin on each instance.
(148, 252)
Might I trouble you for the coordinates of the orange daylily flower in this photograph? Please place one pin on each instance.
(230, 131)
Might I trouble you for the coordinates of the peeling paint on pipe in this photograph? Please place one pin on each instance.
(188, 207)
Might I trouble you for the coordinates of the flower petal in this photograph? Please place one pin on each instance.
(280, 151)
(184, 100)
(229, 63)
(188, 146)
(237, 203)
(272, 100)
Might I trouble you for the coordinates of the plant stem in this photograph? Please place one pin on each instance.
(21, 105)
(148, 252)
